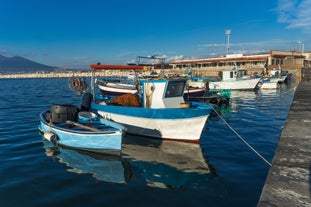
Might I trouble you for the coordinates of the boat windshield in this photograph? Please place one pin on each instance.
(174, 89)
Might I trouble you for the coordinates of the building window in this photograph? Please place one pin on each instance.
(231, 74)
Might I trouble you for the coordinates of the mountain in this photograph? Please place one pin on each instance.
(19, 64)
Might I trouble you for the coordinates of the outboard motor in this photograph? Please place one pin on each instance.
(86, 102)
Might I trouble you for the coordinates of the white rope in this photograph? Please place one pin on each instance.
(241, 138)
(292, 89)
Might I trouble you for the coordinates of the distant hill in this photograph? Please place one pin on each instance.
(19, 64)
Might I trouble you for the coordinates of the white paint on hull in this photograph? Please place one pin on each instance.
(235, 85)
(188, 129)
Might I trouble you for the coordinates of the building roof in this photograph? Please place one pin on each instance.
(229, 58)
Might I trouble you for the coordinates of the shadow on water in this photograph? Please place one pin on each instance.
(161, 164)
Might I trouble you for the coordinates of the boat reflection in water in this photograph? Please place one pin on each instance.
(166, 164)
(103, 167)
(158, 163)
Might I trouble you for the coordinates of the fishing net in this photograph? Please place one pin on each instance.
(126, 100)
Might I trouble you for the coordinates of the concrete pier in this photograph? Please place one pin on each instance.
(289, 178)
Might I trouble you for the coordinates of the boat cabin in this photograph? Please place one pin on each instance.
(235, 74)
(163, 93)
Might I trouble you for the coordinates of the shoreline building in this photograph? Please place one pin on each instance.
(286, 60)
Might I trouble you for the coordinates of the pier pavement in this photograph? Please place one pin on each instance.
(289, 179)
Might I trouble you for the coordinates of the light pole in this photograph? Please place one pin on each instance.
(228, 32)
(302, 46)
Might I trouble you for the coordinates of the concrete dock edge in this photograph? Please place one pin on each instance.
(289, 179)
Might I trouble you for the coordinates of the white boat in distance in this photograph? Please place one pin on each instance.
(235, 80)
(273, 79)
(269, 84)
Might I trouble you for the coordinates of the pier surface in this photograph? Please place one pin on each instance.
(289, 178)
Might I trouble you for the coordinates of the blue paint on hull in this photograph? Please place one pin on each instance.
(109, 141)
(197, 109)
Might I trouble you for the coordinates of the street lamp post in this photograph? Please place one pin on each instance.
(302, 46)
(228, 32)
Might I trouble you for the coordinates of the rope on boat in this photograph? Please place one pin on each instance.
(241, 138)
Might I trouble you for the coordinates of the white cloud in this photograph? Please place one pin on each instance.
(253, 47)
(296, 14)
(172, 58)
(213, 45)
(243, 44)
(3, 52)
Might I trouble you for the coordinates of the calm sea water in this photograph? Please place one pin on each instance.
(220, 171)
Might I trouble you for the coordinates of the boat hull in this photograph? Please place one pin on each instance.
(182, 124)
(107, 142)
(114, 89)
(247, 84)
(272, 83)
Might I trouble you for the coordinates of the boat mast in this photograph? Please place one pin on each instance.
(93, 83)
(152, 57)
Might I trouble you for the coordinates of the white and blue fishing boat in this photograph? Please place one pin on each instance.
(65, 126)
(160, 110)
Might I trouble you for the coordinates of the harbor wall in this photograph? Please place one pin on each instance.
(198, 72)
(289, 179)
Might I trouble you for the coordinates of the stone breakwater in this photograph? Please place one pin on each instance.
(168, 72)
(61, 74)
(46, 75)
(115, 73)
(68, 74)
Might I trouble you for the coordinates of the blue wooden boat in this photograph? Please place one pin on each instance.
(161, 111)
(64, 126)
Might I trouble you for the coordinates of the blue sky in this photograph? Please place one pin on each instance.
(77, 33)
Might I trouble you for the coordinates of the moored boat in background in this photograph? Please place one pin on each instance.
(235, 80)
(272, 79)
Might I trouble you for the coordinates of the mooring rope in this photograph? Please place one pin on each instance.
(292, 89)
(241, 138)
